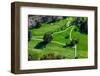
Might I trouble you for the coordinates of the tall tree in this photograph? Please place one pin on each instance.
(29, 35)
(47, 37)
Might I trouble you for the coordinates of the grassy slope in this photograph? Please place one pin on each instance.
(60, 37)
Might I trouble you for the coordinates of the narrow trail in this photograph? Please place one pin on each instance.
(71, 33)
(75, 46)
(75, 50)
(58, 43)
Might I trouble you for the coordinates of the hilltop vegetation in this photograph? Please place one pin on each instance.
(57, 37)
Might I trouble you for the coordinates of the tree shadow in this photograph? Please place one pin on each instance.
(41, 45)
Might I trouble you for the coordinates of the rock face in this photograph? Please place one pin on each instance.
(34, 20)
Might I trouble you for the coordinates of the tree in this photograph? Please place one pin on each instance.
(47, 37)
(29, 35)
(72, 43)
(37, 24)
(82, 23)
(83, 26)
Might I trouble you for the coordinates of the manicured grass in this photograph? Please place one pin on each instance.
(56, 46)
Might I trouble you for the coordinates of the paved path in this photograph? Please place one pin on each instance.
(71, 32)
(58, 43)
(75, 46)
(75, 50)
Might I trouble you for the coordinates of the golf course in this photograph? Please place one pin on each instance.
(65, 38)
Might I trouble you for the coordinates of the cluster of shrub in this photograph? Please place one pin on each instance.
(81, 23)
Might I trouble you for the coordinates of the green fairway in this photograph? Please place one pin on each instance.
(62, 32)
